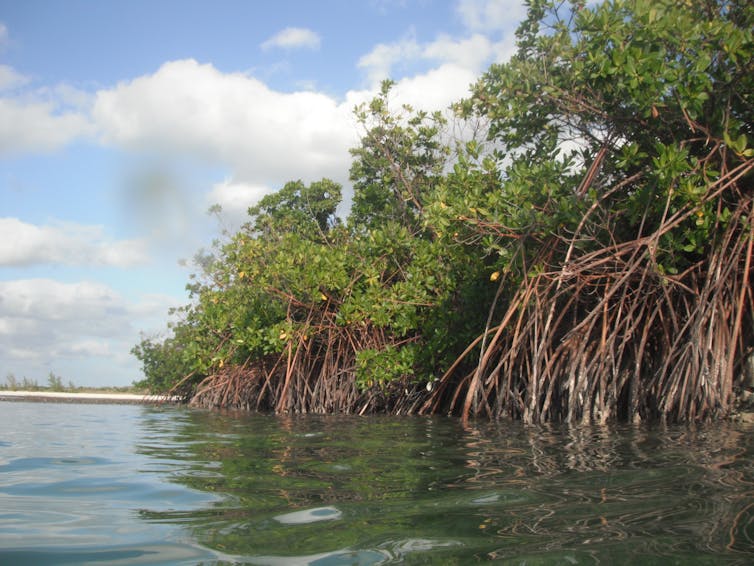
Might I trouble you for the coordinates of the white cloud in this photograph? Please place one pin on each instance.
(293, 38)
(151, 310)
(39, 119)
(436, 89)
(82, 330)
(71, 97)
(37, 126)
(380, 60)
(235, 199)
(504, 49)
(23, 244)
(87, 308)
(266, 137)
(491, 15)
(86, 348)
(10, 78)
(471, 53)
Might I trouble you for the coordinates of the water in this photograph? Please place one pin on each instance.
(120, 484)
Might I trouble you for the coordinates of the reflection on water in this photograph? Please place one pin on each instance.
(309, 516)
(132, 485)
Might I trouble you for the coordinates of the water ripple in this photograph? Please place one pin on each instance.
(101, 484)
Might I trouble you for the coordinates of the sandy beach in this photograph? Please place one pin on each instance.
(65, 397)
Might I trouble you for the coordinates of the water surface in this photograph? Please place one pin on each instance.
(121, 484)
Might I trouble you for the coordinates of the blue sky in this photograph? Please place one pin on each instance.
(121, 123)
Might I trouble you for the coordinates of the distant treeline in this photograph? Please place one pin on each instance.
(55, 383)
(573, 244)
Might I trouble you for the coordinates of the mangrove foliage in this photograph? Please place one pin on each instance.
(583, 255)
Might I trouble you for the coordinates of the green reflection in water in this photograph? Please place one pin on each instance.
(348, 490)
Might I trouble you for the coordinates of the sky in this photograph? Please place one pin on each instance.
(122, 123)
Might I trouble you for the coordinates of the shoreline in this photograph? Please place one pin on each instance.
(66, 397)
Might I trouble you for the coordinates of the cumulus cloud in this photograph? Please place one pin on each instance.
(293, 38)
(37, 126)
(455, 66)
(262, 136)
(379, 62)
(23, 244)
(235, 198)
(491, 15)
(472, 54)
(10, 78)
(39, 119)
(265, 137)
(193, 109)
(88, 309)
(70, 97)
(436, 89)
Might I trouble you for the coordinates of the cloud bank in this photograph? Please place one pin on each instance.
(23, 244)
(230, 118)
(47, 325)
(263, 136)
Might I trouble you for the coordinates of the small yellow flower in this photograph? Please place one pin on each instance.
(495, 276)
(283, 335)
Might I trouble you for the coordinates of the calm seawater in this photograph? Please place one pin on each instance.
(120, 484)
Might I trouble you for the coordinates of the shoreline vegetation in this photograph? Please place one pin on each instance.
(573, 243)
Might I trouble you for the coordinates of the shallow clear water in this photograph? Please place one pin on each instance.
(120, 484)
